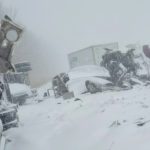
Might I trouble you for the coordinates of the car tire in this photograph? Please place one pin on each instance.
(22, 101)
(91, 87)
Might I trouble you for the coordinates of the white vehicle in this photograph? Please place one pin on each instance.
(80, 76)
(92, 79)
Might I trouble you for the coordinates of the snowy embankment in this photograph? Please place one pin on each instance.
(103, 121)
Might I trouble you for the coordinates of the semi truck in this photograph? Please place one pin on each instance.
(10, 33)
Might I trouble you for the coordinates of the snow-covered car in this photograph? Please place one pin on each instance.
(82, 78)
(20, 92)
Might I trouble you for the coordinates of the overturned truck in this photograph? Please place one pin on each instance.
(10, 34)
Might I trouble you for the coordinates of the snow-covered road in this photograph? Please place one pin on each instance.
(102, 121)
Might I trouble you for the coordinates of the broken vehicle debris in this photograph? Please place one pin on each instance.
(121, 68)
(120, 65)
(58, 84)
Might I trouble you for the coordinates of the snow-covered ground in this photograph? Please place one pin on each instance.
(102, 121)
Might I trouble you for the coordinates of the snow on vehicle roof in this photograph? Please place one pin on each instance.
(17, 88)
(88, 71)
(92, 79)
(77, 85)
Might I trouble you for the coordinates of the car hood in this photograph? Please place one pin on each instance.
(88, 71)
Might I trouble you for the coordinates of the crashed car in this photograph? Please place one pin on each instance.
(84, 79)
(94, 79)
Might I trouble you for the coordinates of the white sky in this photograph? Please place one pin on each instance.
(62, 26)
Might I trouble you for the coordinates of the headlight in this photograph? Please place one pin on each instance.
(12, 35)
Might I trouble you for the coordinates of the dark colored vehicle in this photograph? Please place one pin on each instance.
(10, 33)
(59, 84)
(121, 68)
